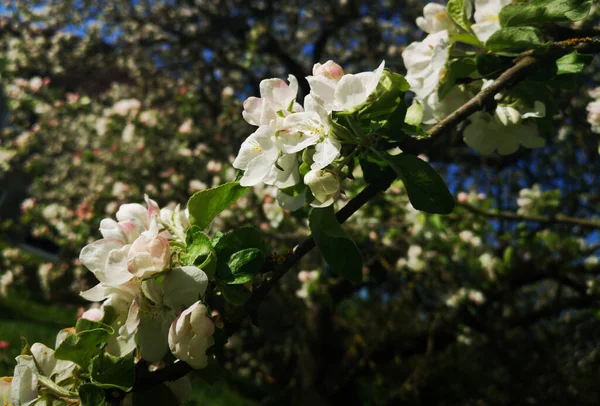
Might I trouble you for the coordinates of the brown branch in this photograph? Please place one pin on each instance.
(525, 64)
(559, 218)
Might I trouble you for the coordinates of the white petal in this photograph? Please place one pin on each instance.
(94, 255)
(291, 203)
(253, 110)
(325, 153)
(96, 294)
(44, 358)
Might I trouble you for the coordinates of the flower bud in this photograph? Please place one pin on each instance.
(324, 186)
(329, 69)
(190, 336)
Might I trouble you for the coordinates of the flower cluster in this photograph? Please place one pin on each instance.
(593, 109)
(427, 62)
(151, 316)
(295, 147)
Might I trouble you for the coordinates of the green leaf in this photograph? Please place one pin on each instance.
(544, 11)
(205, 205)
(573, 63)
(82, 347)
(458, 12)
(414, 114)
(456, 69)
(514, 38)
(234, 294)
(385, 109)
(338, 249)
(489, 64)
(156, 395)
(426, 190)
(199, 251)
(469, 39)
(92, 395)
(239, 239)
(242, 266)
(372, 168)
(86, 325)
(109, 371)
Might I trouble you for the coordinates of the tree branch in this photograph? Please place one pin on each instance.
(524, 64)
(559, 218)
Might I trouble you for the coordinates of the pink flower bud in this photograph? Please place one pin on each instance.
(329, 69)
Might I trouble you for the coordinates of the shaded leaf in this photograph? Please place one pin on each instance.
(338, 249)
(426, 190)
(109, 371)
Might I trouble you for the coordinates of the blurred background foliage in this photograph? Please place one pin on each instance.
(111, 100)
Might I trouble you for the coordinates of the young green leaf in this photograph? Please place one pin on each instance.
(86, 325)
(234, 294)
(92, 395)
(338, 249)
(242, 266)
(426, 190)
(109, 371)
(544, 11)
(82, 347)
(457, 9)
(468, 39)
(456, 69)
(514, 38)
(205, 205)
(199, 251)
(239, 239)
(573, 63)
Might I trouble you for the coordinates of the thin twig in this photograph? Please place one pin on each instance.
(559, 218)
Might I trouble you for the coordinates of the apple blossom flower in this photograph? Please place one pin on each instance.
(190, 336)
(257, 155)
(487, 17)
(504, 131)
(335, 91)
(593, 116)
(126, 107)
(276, 98)
(149, 118)
(435, 19)
(414, 261)
(434, 109)
(425, 63)
(186, 127)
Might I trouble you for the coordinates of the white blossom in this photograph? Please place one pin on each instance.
(504, 131)
(487, 17)
(126, 107)
(276, 97)
(425, 63)
(257, 155)
(435, 19)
